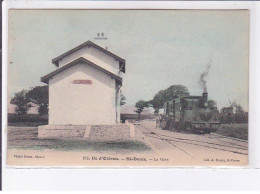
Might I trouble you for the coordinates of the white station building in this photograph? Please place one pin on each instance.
(85, 88)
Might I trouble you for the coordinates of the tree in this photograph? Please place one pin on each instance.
(40, 96)
(233, 114)
(240, 115)
(22, 102)
(175, 91)
(226, 115)
(122, 99)
(157, 101)
(168, 94)
(212, 104)
(140, 105)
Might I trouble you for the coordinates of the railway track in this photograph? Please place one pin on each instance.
(210, 141)
(226, 137)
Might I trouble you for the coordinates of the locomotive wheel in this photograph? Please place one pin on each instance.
(193, 130)
(188, 127)
(177, 127)
(207, 131)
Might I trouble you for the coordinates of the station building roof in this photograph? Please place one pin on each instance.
(45, 79)
(89, 43)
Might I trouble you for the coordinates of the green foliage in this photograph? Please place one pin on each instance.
(158, 100)
(156, 111)
(237, 130)
(27, 120)
(133, 116)
(122, 99)
(240, 115)
(140, 105)
(40, 96)
(22, 102)
(233, 114)
(175, 91)
(226, 115)
(165, 95)
(212, 104)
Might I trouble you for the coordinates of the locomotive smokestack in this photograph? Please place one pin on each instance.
(205, 96)
(202, 81)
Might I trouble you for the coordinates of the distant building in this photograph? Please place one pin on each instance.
(130, 109)
(85, 88)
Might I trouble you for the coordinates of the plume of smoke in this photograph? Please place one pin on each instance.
(202, 81)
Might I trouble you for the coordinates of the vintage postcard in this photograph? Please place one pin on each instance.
(155, 88)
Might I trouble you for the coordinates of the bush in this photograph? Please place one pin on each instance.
(135, 116)
(28, 118)
(239, 131)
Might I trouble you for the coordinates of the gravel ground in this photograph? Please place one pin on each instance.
(109, 132)
(191, 148)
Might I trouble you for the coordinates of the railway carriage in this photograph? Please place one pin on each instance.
(191, 113)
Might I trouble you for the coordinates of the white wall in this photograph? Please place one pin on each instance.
(81, 104)
(94, 55)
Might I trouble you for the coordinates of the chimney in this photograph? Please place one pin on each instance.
(205, 96)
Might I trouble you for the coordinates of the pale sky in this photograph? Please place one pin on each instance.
(161, 48)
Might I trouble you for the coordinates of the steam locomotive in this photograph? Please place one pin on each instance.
(192, 113)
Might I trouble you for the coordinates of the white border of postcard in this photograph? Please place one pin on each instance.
(143, 178)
